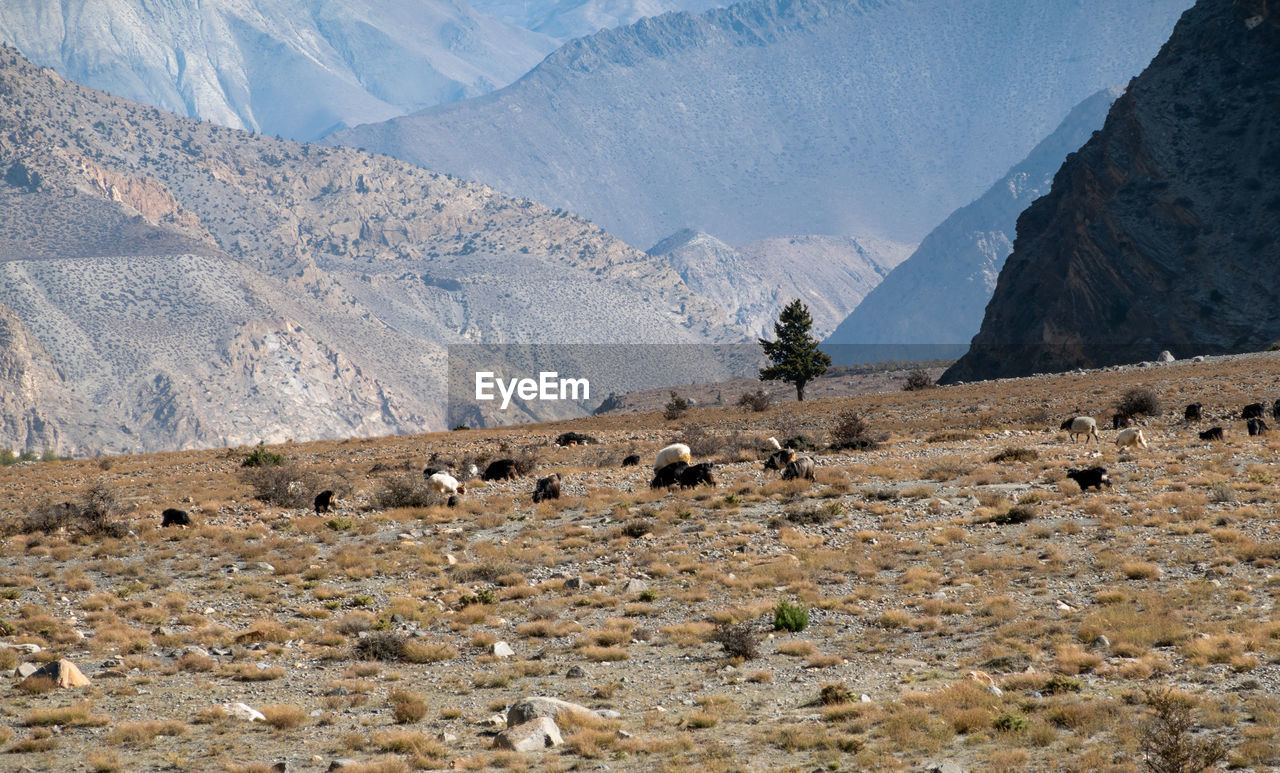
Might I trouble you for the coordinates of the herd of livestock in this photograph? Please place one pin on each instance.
(673, 465)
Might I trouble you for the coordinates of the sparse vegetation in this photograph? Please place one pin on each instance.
(738, 640)
(261, 457)
(1138, 401)
(851, 432)
(757, 401)
(790, 617)
(1168, 740)
(675, 407)
(917, 380)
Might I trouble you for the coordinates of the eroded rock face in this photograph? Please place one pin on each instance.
(937, 296)
(1163, 231)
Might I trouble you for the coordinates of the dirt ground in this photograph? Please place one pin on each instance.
(966, 602)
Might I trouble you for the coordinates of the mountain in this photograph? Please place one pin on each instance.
(1163, 231)
(936, 296)
(774, 117)
(754, 281)
(576, 18)
(294, 68)
(169, 283)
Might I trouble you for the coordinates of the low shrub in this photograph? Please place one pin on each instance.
(738, 641)
(1016, 455)
(790, 617)
(917, 380)
(261, 457)
(757, 401)
(851, 432)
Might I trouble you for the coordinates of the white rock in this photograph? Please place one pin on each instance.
(243, 711)
(540, 733)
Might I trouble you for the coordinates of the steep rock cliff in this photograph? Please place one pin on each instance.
(1163, 231)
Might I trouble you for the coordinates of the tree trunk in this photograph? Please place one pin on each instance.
(800, 391)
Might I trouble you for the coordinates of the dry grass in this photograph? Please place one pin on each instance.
(902, 555)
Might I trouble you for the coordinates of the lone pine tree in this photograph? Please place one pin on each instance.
(795, 355)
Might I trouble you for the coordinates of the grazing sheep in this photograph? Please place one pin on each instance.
(1252, 411)
(547, 488)
(668, 475)
(1121, 420)
(776, 446)
(503, 469)
(1194, 412)
(473, 472)
(1093, 477)
(697, 475)
(575, 439)
(799, 469)
(1082, 425)
(444, 483)
(324, 501)
(631, 461)
(174, 517)
(676, 452)
(1257, 427)
(778, 460)
(429, 471)
(1131, 436)
(1212, 434)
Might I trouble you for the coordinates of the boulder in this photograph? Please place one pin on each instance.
(502, 649)
(540, 733)
(63, 672)
(529, 709)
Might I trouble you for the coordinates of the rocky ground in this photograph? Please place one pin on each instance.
(968, 607)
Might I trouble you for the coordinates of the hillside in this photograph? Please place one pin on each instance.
(566, 20)
(754, 281)
(936, 296)
(292, 68)
(181, 284)
(777, 117)
(855, 622)
(1158, 233)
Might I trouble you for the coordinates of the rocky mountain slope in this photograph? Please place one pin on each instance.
(1164, 230)
(937, 296)
(295, 68)
(776, 117)
(576, 18)
(754, 281)
(170, 283)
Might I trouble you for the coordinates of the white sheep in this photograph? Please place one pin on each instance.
(445, 483)
(774, 444)
(1082, 425)
(676, 452)
(1131, 436)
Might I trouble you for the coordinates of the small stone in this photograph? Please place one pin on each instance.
(502, 649)
(194, 650)
(636, 586)
(162, 630)
(208, 611)
(339, 690)
(262, 566)
(576, 672)
(609, 713)
(25, 670)
(1102, 641)
(494, 720)
(540, 733)
(280, 767)
(451, 559)
(316, 713)
(908, 663)
(864, 698)
(447, 738)
(1165, 356)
